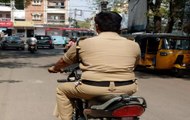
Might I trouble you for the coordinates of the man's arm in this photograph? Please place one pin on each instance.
(68, 59)
(58, 66)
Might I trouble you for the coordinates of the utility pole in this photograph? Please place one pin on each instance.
(12, 2)
(103, 5)
(75, 14)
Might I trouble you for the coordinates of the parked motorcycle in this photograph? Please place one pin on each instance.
(109, 107)
(32, 45)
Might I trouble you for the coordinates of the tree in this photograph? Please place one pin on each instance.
(186, 28)
(186, 20)
(171, 11)
(18, 3)
(84, 24)
(176, 12)
(155, 8)
(112, 4)
(5, 1)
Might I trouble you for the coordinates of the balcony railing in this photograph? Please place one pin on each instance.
(58, 22)
(5, 19)
(5, 4)
(53, 20)
(56, 6)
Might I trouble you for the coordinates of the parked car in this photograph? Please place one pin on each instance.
(60, 40)
(12, 42)
(19, 34)
(44, 41)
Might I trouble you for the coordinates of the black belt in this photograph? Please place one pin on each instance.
(107, 83)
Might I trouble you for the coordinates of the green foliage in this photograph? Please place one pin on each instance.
(5, 1)
(115, 10)
(115, 4)
(20, 4)
(163, 12)
(84, 24)
(186, 28)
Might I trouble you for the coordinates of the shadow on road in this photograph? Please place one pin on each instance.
(10, 81)
(46, 66)
(13, 64)
(11, 53)
(16, 54)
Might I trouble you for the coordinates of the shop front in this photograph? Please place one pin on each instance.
(24, 27)
(6, 27)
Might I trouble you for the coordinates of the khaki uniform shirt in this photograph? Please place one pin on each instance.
(106, 57)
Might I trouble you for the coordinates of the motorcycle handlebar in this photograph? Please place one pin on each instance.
(74, 74)
(71, 68)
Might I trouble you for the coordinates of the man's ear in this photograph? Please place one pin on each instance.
(97, 28)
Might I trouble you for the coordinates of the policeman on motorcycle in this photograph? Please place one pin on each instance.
(107, 64)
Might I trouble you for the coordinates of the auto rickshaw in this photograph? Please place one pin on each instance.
(164, 52)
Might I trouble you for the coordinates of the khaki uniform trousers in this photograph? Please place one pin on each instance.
(67, 91)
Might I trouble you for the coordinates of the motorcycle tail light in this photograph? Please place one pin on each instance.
(128, 111)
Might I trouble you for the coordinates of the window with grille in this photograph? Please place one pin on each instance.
(36, 2)
(36, 16)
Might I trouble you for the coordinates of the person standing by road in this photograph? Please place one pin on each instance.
(107, 63)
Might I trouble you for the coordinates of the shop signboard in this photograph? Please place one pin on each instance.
(6, 24)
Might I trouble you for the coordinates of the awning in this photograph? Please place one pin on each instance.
(23, 24)
(6, 24)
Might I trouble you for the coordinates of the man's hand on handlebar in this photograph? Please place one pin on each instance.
(52, 70)
(58, 67)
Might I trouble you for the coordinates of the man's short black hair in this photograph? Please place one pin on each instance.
(108, 21)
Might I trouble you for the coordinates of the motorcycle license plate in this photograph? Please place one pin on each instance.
(32, 47)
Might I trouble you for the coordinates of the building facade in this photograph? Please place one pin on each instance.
(35, 18)
(6, 25)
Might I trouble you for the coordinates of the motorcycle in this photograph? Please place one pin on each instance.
(32, 46)
(109, 107)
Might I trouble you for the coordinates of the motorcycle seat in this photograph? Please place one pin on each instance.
(104, 98)
(102, 102)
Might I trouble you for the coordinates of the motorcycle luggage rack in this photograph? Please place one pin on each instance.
(127, 101)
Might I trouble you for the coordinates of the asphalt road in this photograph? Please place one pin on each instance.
(27, 90)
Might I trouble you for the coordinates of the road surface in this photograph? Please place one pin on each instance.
(27, 90)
